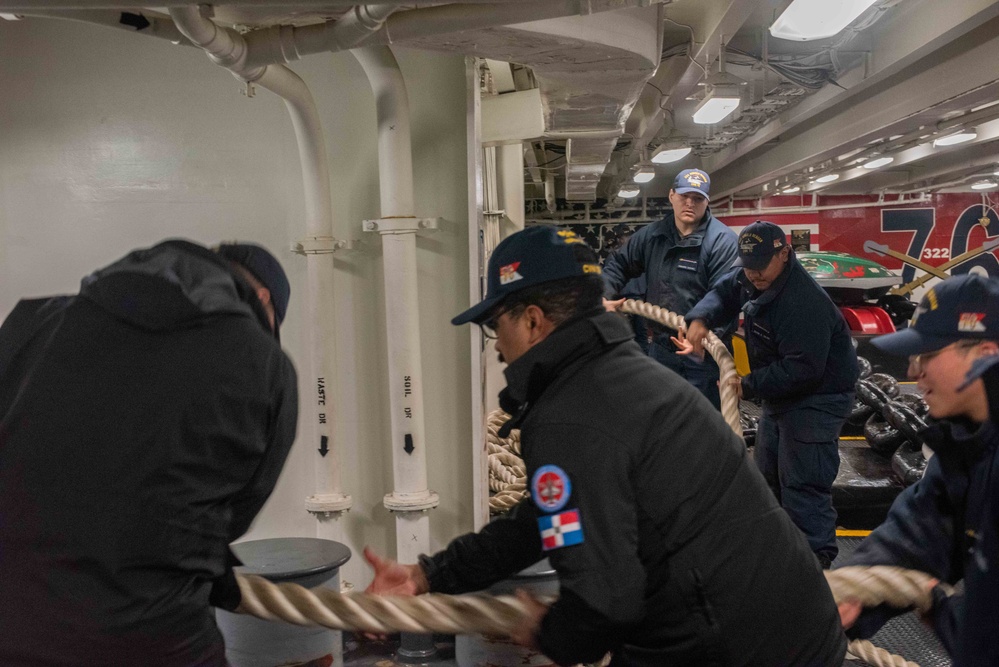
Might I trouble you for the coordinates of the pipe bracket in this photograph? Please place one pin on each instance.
(411, 502)
(320, 245)
(392, 225)
(324, 503)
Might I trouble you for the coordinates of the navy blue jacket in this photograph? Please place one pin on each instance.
(680, 270)
(797, 340)
(143, 423)
(947, 525)
(679, 530)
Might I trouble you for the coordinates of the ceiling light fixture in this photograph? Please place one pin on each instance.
(958, 138)
(628, 190)
(722, 94)
(791, 190)
(828, 178)
(673, 148)
(805, 20)
(664, 155)
(643, 173)
(878, 162)
(718, 102)
(984, 185)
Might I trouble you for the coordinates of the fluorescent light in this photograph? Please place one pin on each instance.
(716, 106)
(628, 190)
(791, 190)
(984, 185)
(805, 20)
(879, 162)
(643, 173)
(958, 138)
(664, 154)
(828, 178)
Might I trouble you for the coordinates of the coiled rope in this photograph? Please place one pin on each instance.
(507, 472)
(499, 615)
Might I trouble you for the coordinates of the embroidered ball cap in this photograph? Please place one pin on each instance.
(265, 268)
(956, 309)
(692, 180)
(530, 257)
(759, 242)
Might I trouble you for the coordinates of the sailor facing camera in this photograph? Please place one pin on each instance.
(947, 523)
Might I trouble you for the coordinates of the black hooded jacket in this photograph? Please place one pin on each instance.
(143, 423)
(684, 556)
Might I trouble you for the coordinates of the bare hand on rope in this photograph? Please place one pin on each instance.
(850, 607)
(393, 578)
(526, 632)
(735, 383)
(612, 306)
(849, 611)
(691, 341)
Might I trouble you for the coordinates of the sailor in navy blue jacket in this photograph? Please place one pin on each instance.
(947, 524)
(797, 340)
(682, 257)
(804, 367)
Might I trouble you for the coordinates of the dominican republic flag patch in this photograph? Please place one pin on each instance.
(560, 530)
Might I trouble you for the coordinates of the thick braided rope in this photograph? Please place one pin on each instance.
(507, 473)
(423, 614)
(895, 586)
(713, 346)
(467, 614)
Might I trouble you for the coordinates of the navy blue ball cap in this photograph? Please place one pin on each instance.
(692, 180)
(956, 309)
(532, 256)
(759, 242)
(265, 268)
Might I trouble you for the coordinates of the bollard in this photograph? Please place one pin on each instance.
(309, 562)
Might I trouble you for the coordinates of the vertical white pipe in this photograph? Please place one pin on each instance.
(410, 497)
(476, 288)
(329, 496)
(227, 48)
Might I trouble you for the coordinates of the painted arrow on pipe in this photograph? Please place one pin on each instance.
(324, 446)
(408, 447)
(882, 250)
(949, 264)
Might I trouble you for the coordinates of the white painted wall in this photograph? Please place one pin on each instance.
(111, 141)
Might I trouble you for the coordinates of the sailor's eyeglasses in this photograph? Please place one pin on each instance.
(918, 362)
(489, 326)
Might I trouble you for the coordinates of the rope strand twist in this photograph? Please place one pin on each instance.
(499, 615)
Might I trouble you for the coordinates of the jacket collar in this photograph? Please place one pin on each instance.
(667, 227)
(571, 344)
(960, 440)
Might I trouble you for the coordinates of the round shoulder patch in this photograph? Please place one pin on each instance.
(550, 488)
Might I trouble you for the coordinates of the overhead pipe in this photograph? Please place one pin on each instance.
(787, 210)
(410, 499)
(138, 23)
(287, 43)
(227, 48)
(321, 5)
